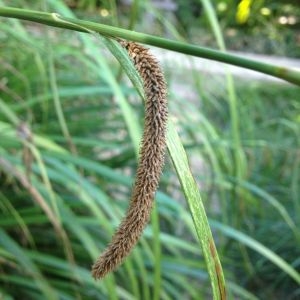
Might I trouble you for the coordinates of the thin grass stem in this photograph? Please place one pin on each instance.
(53, 19)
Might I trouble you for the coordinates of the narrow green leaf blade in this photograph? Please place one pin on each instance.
(201, 224)
(258, 247)
(28, 265)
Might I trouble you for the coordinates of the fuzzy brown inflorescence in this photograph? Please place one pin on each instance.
(150, 163)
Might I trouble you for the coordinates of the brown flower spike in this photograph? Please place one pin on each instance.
(150, 163)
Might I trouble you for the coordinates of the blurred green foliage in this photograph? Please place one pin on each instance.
(262, 26)
(83, 173)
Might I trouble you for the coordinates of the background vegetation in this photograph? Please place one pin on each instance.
(68, 156)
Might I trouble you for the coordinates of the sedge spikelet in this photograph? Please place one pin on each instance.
(150, 165)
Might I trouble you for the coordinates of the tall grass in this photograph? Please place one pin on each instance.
(65, 190)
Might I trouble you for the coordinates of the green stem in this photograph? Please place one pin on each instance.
(56, 20)
(57, 104)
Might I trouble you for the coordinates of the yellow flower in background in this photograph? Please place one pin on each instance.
(243, 11)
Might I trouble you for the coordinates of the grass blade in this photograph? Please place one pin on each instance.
(28, 265)
(256, 246)
(193, 198)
